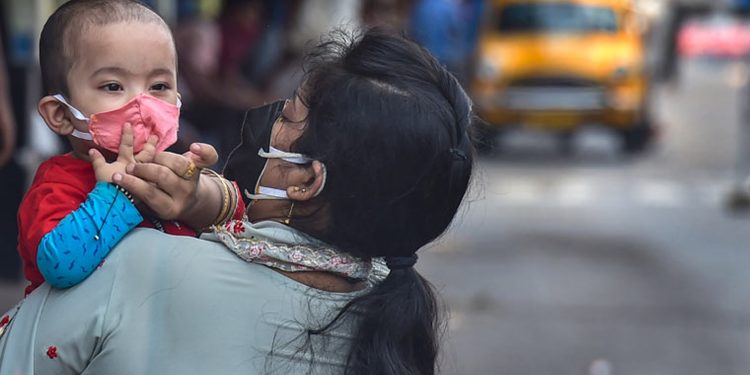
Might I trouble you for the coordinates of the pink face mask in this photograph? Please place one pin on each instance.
(146, 114)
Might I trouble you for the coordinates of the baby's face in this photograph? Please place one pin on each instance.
(116, 62)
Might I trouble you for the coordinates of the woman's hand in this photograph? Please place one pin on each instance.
(104, 171)
(202, 154)
(170, 191)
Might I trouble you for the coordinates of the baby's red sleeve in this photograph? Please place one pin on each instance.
(40, 211)
(239, 211)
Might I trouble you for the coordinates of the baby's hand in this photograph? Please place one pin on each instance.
(104, 170)
(202, 154)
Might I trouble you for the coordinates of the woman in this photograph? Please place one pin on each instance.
(370, 159)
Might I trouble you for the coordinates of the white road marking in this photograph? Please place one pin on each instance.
(574, 193)
(516, 191)
(660, 194)
(540, 191)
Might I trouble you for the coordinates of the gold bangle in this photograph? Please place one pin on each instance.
(221, 218)
(233, 199)
(226, 208)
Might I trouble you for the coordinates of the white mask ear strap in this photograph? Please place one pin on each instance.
(323, 184)
(76, 113)
(81, 135)
(267, 193)
(291, 157)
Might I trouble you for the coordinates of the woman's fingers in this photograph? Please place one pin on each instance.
(180, 165)
(167, 185)
(204, 155)
(157, 199)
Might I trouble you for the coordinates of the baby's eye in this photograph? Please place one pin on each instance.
(112, 87)
(160, 87)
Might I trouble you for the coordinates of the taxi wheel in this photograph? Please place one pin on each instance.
(636, 138)
(566, 142)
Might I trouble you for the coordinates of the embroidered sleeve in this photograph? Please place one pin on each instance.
(78, 244)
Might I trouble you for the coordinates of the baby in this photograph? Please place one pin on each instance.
(109, 72)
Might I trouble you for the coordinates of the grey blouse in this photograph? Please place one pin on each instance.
(164, 304)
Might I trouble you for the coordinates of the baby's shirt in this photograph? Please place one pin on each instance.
(75, 222)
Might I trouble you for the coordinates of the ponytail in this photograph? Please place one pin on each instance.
(398, 327)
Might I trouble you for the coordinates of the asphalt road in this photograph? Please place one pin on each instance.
(600, 264)
(595, 263)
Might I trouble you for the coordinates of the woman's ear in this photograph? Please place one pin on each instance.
(312, 183)
(55, 115)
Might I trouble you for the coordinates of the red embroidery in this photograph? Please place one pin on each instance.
(4, 321)
(52, 352)
(239, 227)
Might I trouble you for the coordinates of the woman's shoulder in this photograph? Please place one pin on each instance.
(203, 298)
(147, 256)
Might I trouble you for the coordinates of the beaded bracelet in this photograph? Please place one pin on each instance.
(125, 192)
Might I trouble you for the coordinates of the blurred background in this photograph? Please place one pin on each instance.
(607, 231)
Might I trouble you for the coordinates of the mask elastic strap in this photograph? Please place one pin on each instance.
(82, 135)
(267, 193)
(325, 177)
(291, 157)
(76, 113)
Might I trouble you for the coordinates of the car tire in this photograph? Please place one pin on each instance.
(637, 138)
(566, 143)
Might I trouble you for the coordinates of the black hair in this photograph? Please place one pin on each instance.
(63, 29)
(392, 127)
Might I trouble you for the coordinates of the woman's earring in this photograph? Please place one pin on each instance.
(289, 214)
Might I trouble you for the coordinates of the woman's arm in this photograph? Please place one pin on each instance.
(196, 201)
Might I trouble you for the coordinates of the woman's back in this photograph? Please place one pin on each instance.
(146, 319)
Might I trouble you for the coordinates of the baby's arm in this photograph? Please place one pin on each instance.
(73, 249)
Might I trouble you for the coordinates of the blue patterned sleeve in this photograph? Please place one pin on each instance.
(71, 251)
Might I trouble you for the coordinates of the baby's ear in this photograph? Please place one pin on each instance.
(55, 115)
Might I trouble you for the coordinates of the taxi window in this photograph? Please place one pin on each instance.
(565, 18)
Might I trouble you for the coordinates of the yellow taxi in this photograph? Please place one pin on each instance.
(559, 65)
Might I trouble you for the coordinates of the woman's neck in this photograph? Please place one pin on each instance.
(325, 281)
